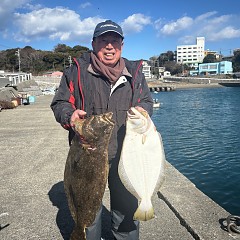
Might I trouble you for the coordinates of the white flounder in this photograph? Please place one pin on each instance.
(142, 161)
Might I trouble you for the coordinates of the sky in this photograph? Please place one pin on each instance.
(150, 27)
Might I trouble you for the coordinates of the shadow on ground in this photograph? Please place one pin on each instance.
(64, 219)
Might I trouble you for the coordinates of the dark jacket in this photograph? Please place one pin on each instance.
(81, 88)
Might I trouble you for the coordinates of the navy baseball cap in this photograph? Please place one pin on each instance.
(107, 26)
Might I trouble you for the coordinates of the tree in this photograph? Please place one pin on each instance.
(165, 57)
(38, 65)
(173, 67)
(154, 65)
(236, 61)
(11, 59)
(62, 48)
(53, 60)
(39, 61)
(78, 50)
(3, 60)
(26, 59)
(210, 58)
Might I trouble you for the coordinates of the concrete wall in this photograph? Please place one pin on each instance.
(198, 80)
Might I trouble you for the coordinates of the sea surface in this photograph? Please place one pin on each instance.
(201, 136)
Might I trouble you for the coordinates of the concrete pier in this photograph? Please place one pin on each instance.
(162, 88)
(33, 151)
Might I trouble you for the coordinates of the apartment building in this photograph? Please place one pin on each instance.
(191, 54)
(146, 70)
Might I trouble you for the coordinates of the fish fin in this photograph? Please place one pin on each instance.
(144, 137)
(78, 233)
(87, 147)
(144, 212)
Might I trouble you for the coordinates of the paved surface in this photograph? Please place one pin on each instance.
(33, 151)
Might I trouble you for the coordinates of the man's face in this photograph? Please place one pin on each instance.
(108, 48)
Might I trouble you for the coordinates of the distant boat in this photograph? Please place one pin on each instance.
(156, 103)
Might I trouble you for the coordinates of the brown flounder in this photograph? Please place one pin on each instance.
(86, 170)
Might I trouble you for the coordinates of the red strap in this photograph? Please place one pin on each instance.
(80, 84)
(71, 98)
(135, 75)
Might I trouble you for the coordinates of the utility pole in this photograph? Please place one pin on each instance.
(19, 64)
(19, 60)
(70, 60)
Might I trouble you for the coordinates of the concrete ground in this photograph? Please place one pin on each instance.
(33, 151)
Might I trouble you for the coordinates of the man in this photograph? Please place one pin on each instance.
(101, 81)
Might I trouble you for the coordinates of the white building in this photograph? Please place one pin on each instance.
(146, 70)
(191, 54)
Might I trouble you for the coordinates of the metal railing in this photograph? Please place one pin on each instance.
(22, 77)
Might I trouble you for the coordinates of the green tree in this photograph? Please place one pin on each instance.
(39, 61)
(11, 59)
(53, 60)
(62, 48)
(165, 57)
(78, 50)
(26, 59)
(3, 59)
(210, 58)
(153, 62)
(236, 61)
(173, 67)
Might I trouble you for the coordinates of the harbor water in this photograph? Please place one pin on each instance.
(201, 135)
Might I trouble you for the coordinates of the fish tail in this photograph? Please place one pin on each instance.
(144, 212)
(78, 234)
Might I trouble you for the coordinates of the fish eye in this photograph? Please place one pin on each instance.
(131, 112)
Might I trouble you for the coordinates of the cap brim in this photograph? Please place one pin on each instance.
(109, 31)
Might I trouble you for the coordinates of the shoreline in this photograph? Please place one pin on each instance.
(183, 85)
(195, 85)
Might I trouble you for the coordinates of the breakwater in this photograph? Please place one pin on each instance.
(33, 155)
(201, 80)
(173, 83)
(162, 88)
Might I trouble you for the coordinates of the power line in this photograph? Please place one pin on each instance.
(230, 50)
(5, 46)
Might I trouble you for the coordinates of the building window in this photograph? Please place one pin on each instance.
(213, 66)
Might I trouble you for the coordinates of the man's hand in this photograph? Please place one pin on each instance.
(77, 114)
(140, 109)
